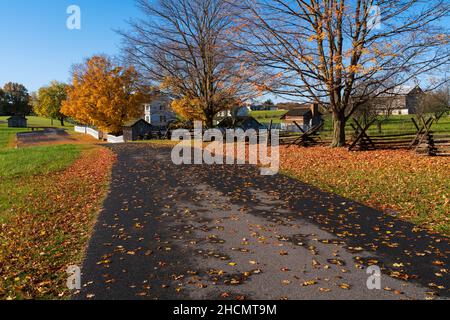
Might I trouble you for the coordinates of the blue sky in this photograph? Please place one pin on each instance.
(37, 47)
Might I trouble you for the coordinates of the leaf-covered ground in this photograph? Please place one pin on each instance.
(49, 222)
(409, 186)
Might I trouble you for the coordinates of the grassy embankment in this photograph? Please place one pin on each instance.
(49, 197)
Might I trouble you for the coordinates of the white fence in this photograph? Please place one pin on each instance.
(93, 133)
(96, 134)
(114, 139)
(80, 129)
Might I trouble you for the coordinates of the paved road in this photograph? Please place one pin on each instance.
(225, 232)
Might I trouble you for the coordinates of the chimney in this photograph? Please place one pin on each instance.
(315, 109)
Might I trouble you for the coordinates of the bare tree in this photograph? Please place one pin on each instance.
(337, 53)
(377, 110)
(183, 46)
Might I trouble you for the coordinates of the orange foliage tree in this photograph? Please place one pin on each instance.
(104, 94)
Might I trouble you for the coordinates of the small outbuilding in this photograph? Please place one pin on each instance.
(17, 122)
(305, 115)
(138, 130)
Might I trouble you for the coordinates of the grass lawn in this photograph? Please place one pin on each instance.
(416, 187)
(19, 165)
(7, 135)
(36, 161)
(41, 122)
(49, 198)
(267, 116)
(394, 125)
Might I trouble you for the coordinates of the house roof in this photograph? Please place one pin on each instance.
(403, 90)
(297, 113)
(17, 117)
(133, 122)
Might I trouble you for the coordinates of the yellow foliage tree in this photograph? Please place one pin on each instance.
(189, 109)
(194, 107)
(104, 94)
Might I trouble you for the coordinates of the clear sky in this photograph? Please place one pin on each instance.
(37, 47)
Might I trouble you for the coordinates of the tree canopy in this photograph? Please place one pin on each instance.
(104, 94)
(49, 101)
(16, 100)
(341, 53)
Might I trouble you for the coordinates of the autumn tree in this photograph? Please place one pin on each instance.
(184, 47)
(104, 94)
(49, 101)
(341, 53)
(16, 100)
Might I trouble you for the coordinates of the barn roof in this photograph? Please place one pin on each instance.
(403, 90)
(293, 105)
(16, 117)
(297, 113)
(133, 122)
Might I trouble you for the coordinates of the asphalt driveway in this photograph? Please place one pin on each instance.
(226, 232)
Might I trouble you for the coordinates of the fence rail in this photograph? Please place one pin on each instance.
(115, 139)
(424, 140)
(99, 135)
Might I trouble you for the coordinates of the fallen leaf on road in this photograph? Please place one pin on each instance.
(309, 283)
(345, 286)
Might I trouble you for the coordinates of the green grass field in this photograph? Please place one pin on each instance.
(7, 135)
(393, 125)
(267, 116)
(18, 165)
(47, 214)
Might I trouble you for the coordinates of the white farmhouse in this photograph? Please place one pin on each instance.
(159, 112)
(403, 100)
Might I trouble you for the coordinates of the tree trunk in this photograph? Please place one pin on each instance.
(209, 120)
(339, 123)
(380, 130)
(62, 122)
